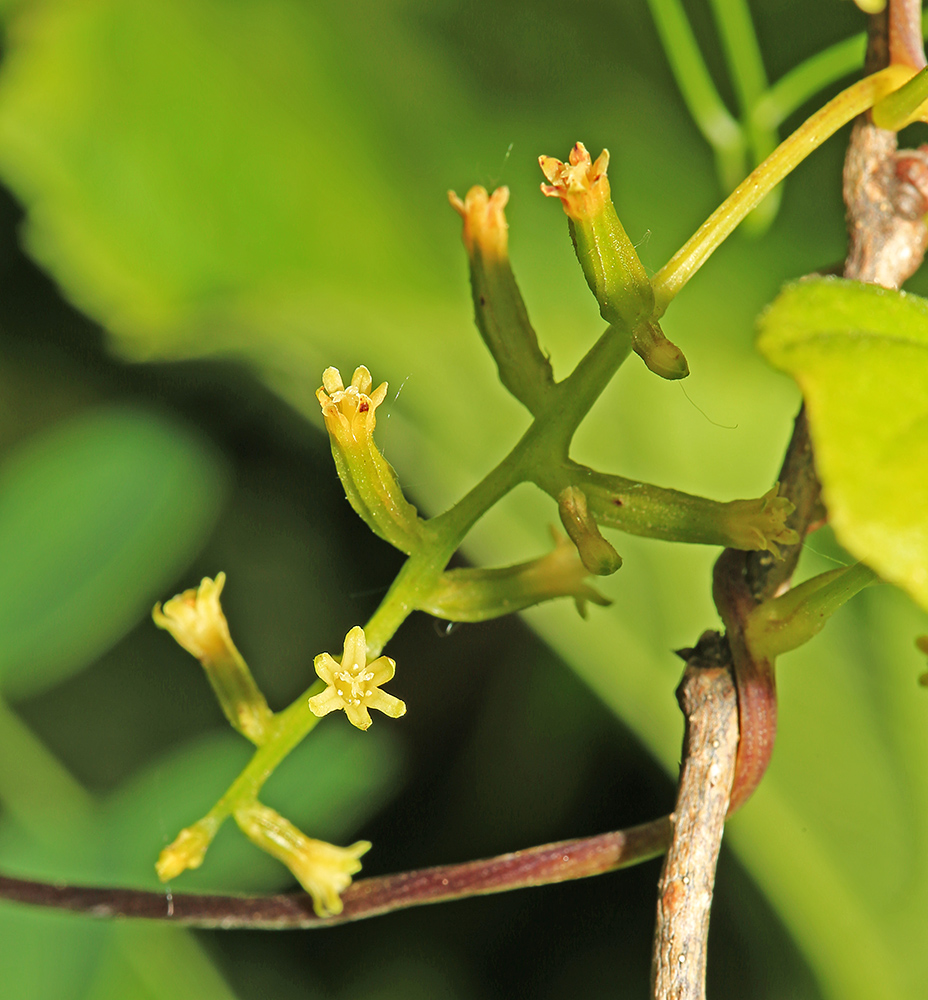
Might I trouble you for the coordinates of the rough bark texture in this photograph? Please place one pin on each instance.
(709, 702)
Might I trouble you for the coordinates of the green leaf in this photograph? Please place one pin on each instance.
(97, 516)
(860, 356)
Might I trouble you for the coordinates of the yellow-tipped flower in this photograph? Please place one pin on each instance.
(486, 230)
(368, 479)
(609, 261)
(350, 414)
(323, 870)
(354, 684)
(196, 620)
(187, 850)
(499, 310)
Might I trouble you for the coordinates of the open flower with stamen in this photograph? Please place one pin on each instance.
(581, 183)
(354, 684)
(609, 260)
(369, 481)
(349, 413)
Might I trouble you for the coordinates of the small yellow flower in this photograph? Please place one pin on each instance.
(581, 184)
(349, 413)
(485, 225)
(196, 620)
(187, 850)
(323, 870)
(354, 684)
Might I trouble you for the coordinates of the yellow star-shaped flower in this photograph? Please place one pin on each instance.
(354, 684)
(349, 413)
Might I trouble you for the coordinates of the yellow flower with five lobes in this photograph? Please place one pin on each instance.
(354, 684)
(368, 479)
(349, 414)
(323, 870)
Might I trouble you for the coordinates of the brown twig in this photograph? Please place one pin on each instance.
(886, 193)
(369, 897)
(708, 700)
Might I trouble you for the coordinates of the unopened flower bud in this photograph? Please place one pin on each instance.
(789, 621)
(499, 310)
(606, 254)
(187, 850)
(597, 554)
(661, 356)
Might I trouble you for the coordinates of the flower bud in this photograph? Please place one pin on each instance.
(368, 479)
(606, 254)
(660, 355)
(789, 621)
(499, 310)
(187, 850)
(476, 595)
(597, 554)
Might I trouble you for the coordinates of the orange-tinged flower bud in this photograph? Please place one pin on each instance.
(606, 254)
(499, 311)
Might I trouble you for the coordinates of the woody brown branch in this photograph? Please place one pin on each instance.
(709, 703)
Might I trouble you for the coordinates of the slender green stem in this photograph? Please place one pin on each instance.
(804, 81)
(746, 67)
(699, 93)
(286, 731)
(787, 156)
(547, 440)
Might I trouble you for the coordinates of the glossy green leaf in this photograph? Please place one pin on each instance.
(860, 356)
(97, 516)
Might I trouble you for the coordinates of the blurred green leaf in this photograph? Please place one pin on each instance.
(30, 971)
(860, 356)
(328, 786)
(96, 517)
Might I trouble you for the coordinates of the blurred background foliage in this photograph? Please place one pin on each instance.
(207, 203)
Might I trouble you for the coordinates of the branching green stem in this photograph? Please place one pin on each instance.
(788, 155)
(713, 119)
